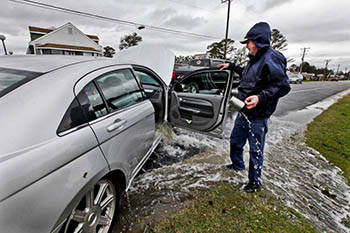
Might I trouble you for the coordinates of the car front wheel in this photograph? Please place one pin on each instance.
(96, 210)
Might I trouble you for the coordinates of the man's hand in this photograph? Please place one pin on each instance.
(223, 66)
(251, 101)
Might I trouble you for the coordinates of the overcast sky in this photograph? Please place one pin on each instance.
(322, 26)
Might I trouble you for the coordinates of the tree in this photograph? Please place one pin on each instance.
(184, 59)
(309, 68)
(240, 56)
(108, 51)
(290, 60)
(216, 49)
(129, 41)
(278, 40)
(293, 68)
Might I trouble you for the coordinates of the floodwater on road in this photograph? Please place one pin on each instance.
(297, 174)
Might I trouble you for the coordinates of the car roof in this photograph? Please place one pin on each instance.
(41, 63)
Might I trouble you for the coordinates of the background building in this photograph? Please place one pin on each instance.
(65, 40)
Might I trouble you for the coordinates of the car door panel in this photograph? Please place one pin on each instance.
(198, 111)
(196, 107)
(126, 136)
(199, 101)
(125, 127)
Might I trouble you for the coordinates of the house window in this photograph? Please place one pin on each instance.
(70, 31)
(54, 51)
(46, 51)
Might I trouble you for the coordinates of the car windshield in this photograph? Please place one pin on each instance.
(10, 79)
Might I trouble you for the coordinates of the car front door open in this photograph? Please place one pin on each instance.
(199, 101)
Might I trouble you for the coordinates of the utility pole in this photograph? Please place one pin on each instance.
(337, 70)
(305, 50)
(325, 69)
(227, 24)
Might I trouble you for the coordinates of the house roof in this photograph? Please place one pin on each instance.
(36, 29)
(71, 47)
(93, 37)
(47, 30)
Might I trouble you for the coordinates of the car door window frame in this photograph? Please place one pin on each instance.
(112, 113)
(100, 93)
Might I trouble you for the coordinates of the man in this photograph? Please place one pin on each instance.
(264, 81)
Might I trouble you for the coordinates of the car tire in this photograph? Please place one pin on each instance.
(96, 211)
(193, 87)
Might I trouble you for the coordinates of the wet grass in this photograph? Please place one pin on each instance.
(329, 133)
(226, 208)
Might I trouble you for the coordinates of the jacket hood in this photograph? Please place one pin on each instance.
(260, 33)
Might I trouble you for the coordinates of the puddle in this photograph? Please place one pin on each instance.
(299, 175)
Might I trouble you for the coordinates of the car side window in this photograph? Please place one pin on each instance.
(120, 89)
(212, 83)
(92, 102)
(73, 117)
(149, 84)
(88, 106)
(146, 79)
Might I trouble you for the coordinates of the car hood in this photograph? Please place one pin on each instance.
(155, 57)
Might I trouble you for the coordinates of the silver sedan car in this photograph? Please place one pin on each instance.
(75, 131)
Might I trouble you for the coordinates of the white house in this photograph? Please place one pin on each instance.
(65, 40)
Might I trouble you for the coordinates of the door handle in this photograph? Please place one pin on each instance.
(117, 124)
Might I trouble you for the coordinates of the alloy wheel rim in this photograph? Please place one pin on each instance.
(94, 213)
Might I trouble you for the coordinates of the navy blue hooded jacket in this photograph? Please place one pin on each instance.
(265, 74)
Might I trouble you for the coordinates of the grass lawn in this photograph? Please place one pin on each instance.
(226, 208)
(329, 133)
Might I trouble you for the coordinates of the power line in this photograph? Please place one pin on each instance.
(119, 21)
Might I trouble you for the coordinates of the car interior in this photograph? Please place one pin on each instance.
(154, 92)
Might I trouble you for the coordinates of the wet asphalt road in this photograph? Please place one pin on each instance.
(308, 93)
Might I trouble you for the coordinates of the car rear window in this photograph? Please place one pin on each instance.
(200, 62)
(10, 79)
